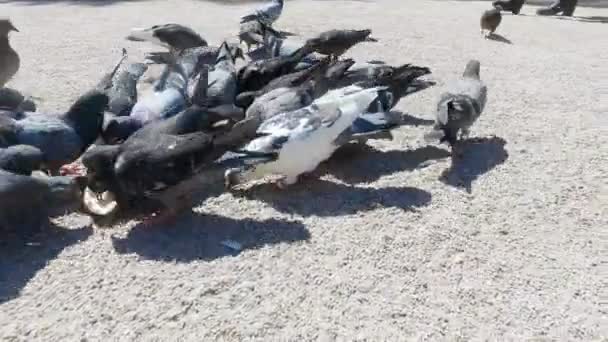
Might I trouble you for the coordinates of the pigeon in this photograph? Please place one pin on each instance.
(12, 100)
(335, 43)
(222, 87)
(9, 59)
(402, 81)
(61, 138)
(459, 106)
(28, 201)
(121, 86)
(293, 79)
(267, 14)
(158, 156)
(198, 56)
(275, 45)
(291, 98)
(175, 37)
(490, 20)
(21, 159)
(252, 33)
(258, 74)
(301, 139)
(166, 98)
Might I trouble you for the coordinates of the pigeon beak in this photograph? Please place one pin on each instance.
(371, 39)
(13, 28)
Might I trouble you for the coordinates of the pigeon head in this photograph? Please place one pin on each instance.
(6, 26)
(365, 34)
(402, 80)
(86, 115)
(99, 162)
(21, 159)
(229, 52)
(119, 128)
(472, 69)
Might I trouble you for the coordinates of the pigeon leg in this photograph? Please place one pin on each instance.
(464, 133)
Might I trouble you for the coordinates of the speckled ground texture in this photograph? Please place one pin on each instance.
(386, 242)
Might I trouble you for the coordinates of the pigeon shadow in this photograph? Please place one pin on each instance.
(20, 261)
(319, 197)
(361, 163)
(498, 38)
(478, 156)
(200, 236)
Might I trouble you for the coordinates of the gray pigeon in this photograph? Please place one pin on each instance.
(28, 201)
(61, 138)
(21, 159)
(252, 33)
(490, 20)
(267, 13)
(335, 43)
(121, 86)
(459, 106)
(9, 59)
(222, 88)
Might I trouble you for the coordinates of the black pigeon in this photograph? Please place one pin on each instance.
(293, 79)
(12, 100)
(9, 59)
(158, 157)
(61, 138)
(21, 159)
(28, 201)
(401, 81)
(490, 20)
(258, 74)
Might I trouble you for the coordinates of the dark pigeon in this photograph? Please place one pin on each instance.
(9, 59)
(490, 20)
(21, 159)
(61, 138)
(27, 202)
(335, 43)
(258, 74)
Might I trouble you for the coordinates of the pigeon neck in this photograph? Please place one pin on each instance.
(4, 43)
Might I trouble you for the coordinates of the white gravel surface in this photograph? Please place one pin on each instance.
(381, 246)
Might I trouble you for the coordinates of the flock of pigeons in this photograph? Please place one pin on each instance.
(133, 138)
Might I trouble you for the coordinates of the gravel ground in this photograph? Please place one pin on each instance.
(390, 242)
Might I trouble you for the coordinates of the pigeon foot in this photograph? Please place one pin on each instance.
(74, 169)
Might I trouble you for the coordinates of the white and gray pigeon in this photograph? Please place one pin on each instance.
(300, 140)
(267, 13)
(459, 106)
